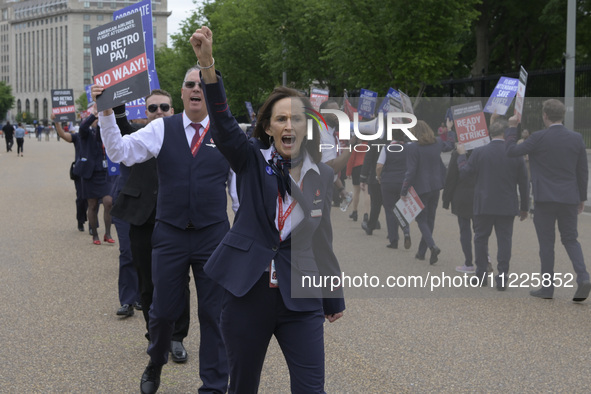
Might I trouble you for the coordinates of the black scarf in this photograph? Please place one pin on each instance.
(281, 167)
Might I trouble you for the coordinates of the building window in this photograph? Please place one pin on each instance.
(86, 17)
(86, 39)
(100, 17)
(87, 4)
(86, 28)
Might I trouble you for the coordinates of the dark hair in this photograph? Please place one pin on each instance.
(554, 110)
(498, 128)
(424, 133)
(264, 121)
(159, 92)
(329, 101)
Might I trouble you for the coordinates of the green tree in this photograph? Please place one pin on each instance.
(81, 102)
(6, 99)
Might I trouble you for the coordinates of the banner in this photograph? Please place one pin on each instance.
(62, 103)
(367, 103)
(520, 92)
(317, 97)
(407, 211)
(502, 96)
(119, 61)
(137, 109)
(470, 125)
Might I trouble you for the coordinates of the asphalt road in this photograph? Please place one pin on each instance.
(60, 334)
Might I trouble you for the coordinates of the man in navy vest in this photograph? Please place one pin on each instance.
(191, 220)
(559, 176)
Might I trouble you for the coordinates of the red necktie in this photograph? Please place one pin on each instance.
(196, 141)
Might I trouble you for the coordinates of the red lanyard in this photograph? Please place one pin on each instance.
(282, 217)
(197, 145)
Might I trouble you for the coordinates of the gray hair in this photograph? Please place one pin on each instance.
(498, 128)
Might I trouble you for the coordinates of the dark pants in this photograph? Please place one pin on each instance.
(128, 281)
(483, 226)
(465, 225)
(375, 191)
(426, 220)
(546, 215)
(390, 195)
(249, 322)
(81, 203)
(9, 143)
(174, 252)
(19, 145)
(141, 249)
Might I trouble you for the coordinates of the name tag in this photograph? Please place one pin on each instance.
(316, 213)
(273, 282)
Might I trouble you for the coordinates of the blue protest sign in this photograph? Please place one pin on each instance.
(502, 96)
(134, 109)
(367, 103)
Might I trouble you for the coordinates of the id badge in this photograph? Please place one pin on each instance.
(273, 283)
(105, 164)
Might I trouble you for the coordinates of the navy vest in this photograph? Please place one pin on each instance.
(191, 189)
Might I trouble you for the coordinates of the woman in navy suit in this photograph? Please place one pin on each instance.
(425, 171)
(281, 240)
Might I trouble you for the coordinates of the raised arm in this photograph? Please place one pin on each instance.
(60, 131)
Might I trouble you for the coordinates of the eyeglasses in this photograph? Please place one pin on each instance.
(154, 107)
(190, 84)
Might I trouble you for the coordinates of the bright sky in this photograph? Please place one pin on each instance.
(181, 9)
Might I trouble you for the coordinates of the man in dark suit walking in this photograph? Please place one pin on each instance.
(560, 173)
(8, 131)
(136, 205)
(495, 200)
(191, 220)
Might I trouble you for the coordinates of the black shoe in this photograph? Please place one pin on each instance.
(543, 292)
(137, 305)
(368, 231)
(81, 227)
(419, 257)
(407, 243)
(434, 253)
(476, 281)
(378, 226)
(582, 291)
(125, 310)
(393, 245)
(178, 352)
(353, 216)
(151, 379)
(501, 282)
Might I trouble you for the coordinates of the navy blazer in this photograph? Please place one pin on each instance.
(253, 241)
(557, 161)
(425, 170)
(92, 153)
(497, 176)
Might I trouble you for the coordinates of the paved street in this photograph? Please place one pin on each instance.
(60, 334)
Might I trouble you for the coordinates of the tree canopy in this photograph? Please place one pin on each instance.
(6, 99)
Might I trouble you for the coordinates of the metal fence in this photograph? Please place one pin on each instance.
(540, 84)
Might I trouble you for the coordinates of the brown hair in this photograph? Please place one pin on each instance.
(424, 133)
(554, 110)
(264, 120)
(159, 92)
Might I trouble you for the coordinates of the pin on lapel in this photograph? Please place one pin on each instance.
(269, 170)
(317, 192)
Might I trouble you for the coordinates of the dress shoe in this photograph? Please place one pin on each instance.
(476, 281)
(419, 257)
(81, 227)
(151, 379)
(178, 352)
(108, 239)
(137, 305)
(368, 231)
(582, 291)
(353, 216)
(543, 292)
(96, 242)
(125, 310)
(407, 243)
(434, 253)
(393, 245)
(501, 282)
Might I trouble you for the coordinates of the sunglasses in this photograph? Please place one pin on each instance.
(190, 84)
(154, 107)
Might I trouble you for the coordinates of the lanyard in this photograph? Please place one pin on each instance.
(281, 216)
(197, 145)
